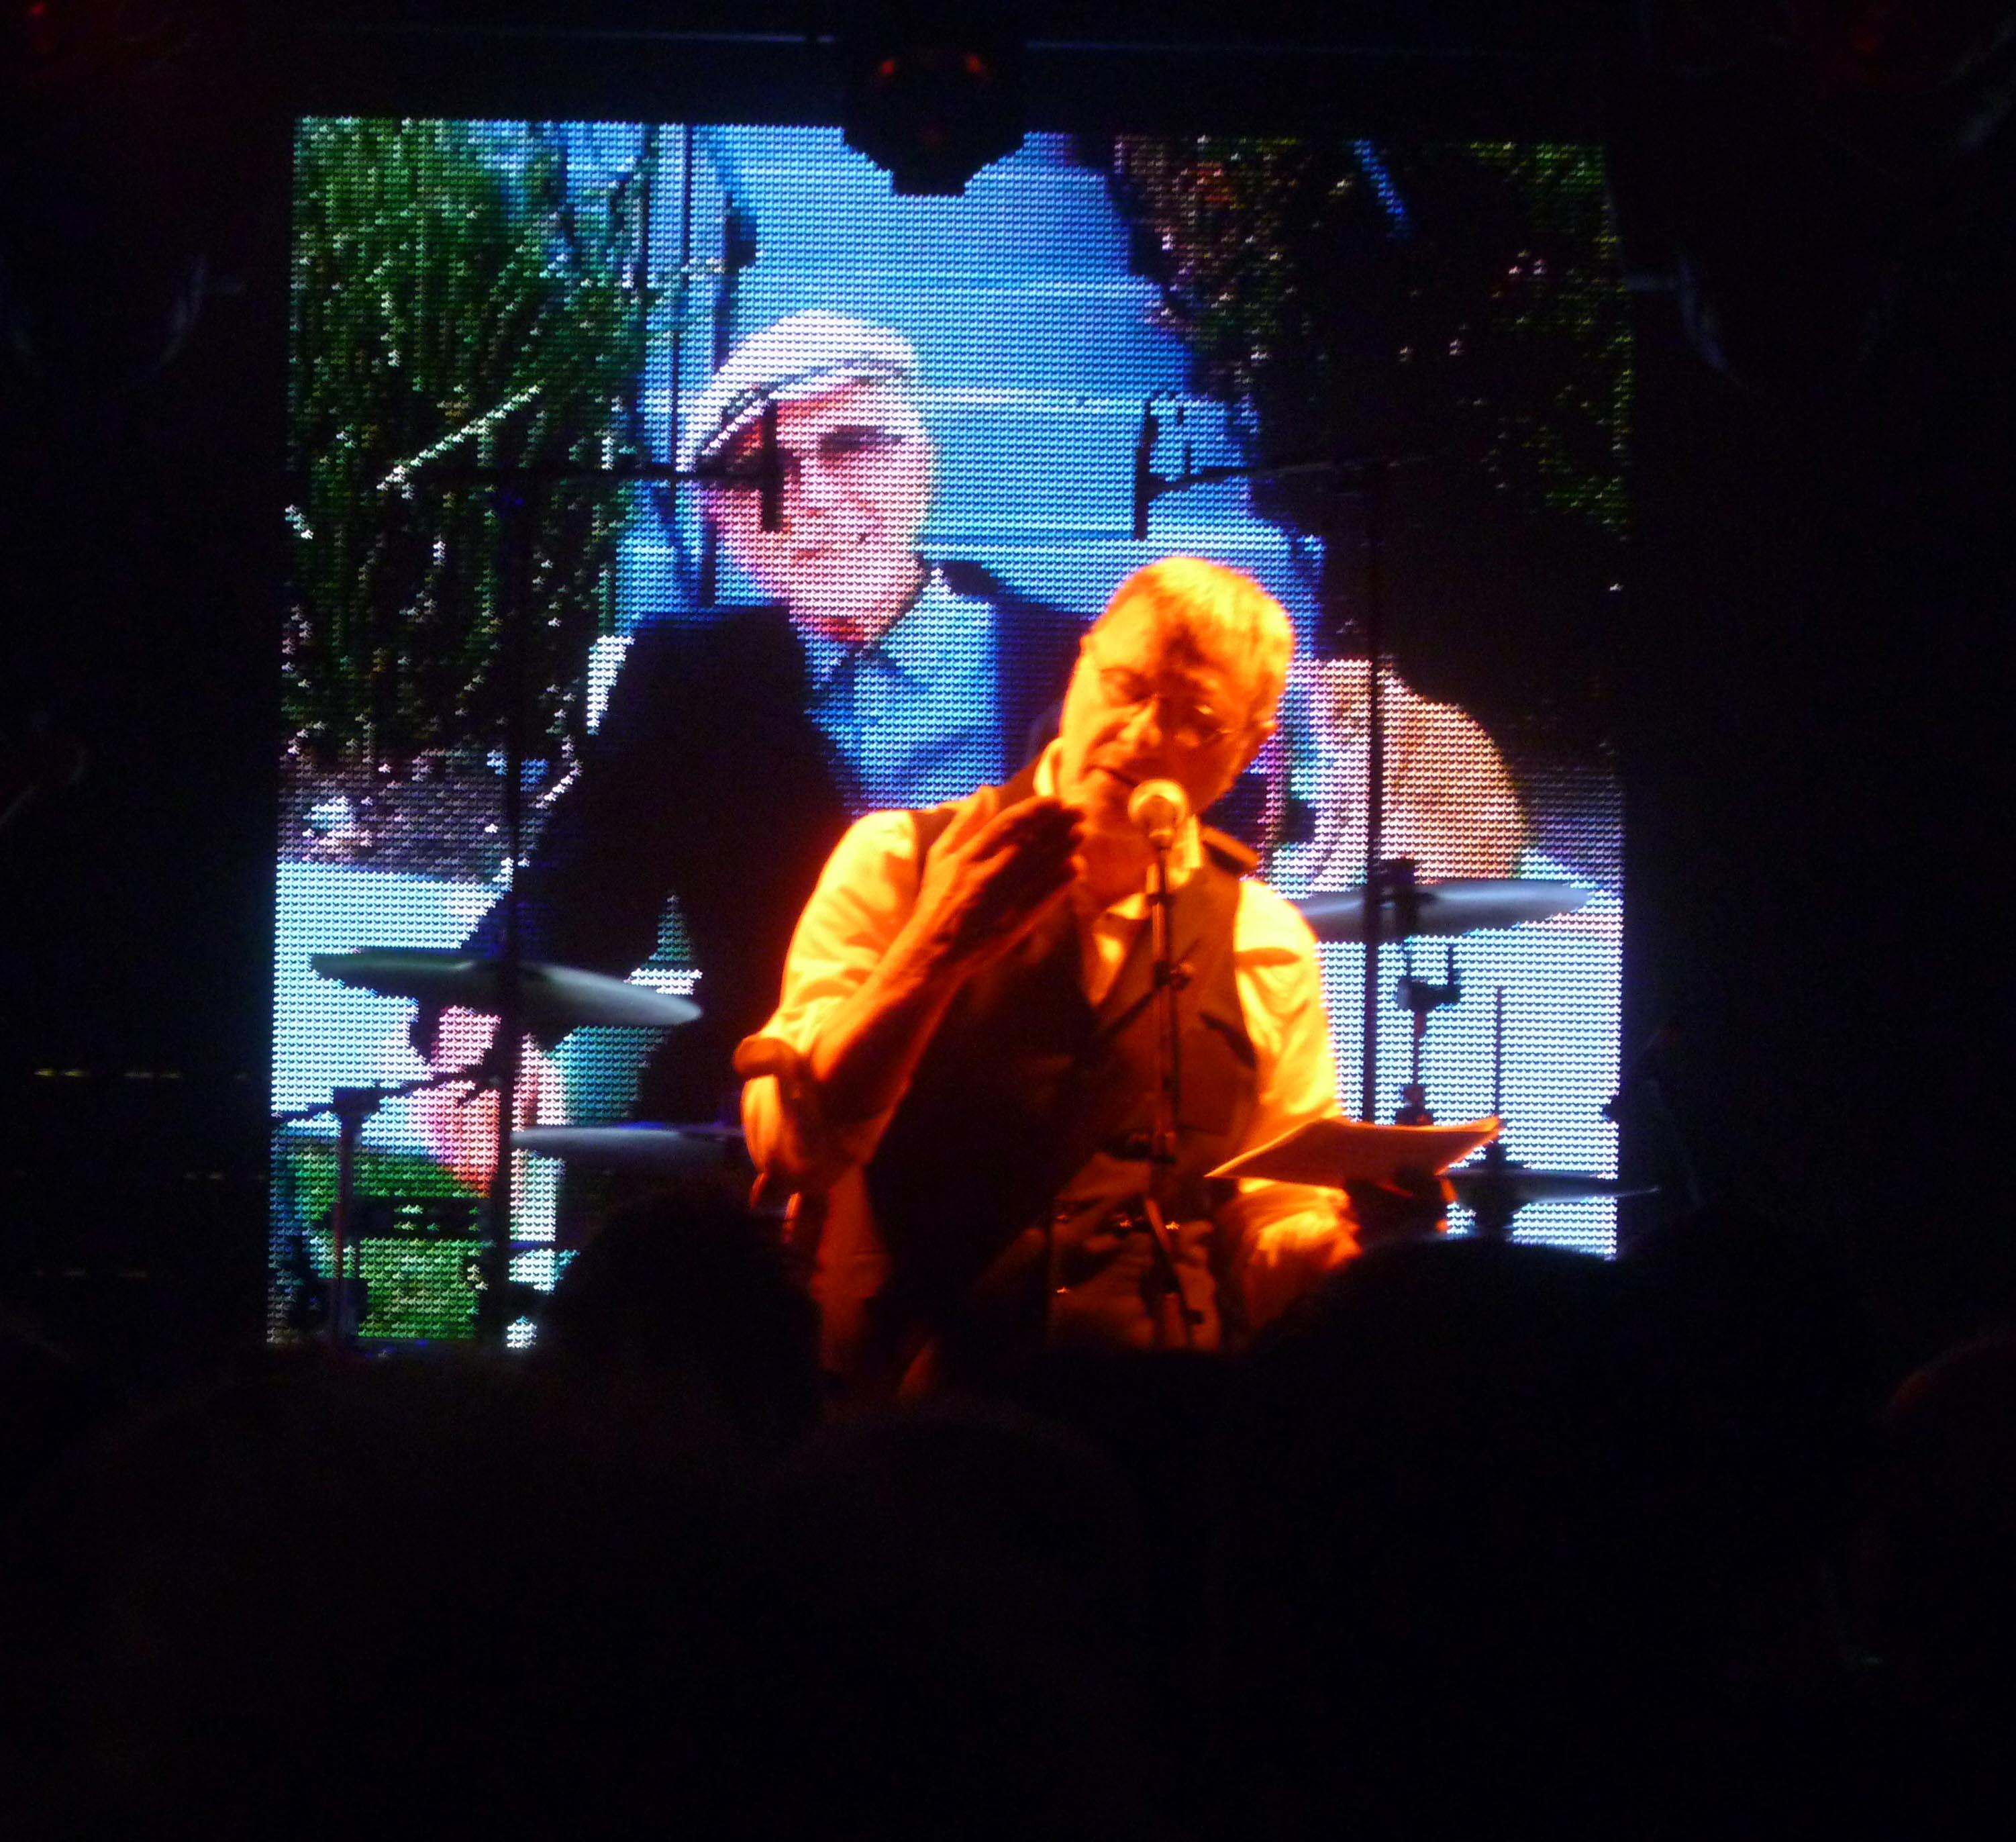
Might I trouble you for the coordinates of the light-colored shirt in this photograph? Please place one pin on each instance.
(916, 713)
(1287, 1233)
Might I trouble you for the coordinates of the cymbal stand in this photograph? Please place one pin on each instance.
(1493, 1202)
(514, 488)
(1421, 998)
(353, 1107)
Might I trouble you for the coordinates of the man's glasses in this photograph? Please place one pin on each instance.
(843, 454)
(1193, 726)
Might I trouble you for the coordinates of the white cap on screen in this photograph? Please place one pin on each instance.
(1159, 808)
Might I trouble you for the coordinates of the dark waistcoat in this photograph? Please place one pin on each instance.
(1002, 1185)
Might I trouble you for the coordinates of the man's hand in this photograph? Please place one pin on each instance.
(800, 1126)
(989, 881)
(1409, 1205)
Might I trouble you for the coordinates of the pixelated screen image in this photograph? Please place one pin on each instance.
(541, 515)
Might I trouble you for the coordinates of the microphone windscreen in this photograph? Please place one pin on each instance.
(1159, 808)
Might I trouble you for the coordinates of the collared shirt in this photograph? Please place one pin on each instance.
(1288, 1233)
(916, 713)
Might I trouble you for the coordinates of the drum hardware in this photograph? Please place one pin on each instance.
(1335, 1153)
(1408, 910)
(516, 988)
(1332, 1152)
(1421, 998)
(536, 995)
(648, 1150)
(351, 1107)
(1497, 1187)
(550, 997)
(1390, 904)
(1366, 480)
(1442, 910)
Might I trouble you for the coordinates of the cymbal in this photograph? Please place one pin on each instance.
(660, 1149)
(1462, 904)
(549, 997)
(1522, 1185)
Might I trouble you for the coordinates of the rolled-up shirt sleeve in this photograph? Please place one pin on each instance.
(865, 894)
(1289, 1234)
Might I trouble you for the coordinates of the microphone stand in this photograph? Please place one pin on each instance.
(1376, 872)
(1169, 979)
(514, 488)
(1368, 476)
(514, 585)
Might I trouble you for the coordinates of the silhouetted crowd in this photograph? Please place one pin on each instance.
(1478, 1539)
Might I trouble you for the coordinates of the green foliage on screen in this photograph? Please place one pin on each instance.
(311, 1174)
(1475, 316)
(415, 1289)
(1565, 440)
(455, 302)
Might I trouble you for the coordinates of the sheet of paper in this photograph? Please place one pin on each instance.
(1337, 1151)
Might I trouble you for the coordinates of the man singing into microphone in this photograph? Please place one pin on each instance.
(959, 1085)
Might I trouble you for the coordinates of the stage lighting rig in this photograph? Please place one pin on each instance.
(929, 96)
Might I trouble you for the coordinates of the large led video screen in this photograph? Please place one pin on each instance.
(562, 596)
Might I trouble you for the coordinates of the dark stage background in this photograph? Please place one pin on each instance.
(1808, 709)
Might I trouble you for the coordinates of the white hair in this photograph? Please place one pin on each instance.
(804, 354)
(1220, 612)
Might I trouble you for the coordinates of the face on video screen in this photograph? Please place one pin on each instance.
(898, 453)
(855, 467)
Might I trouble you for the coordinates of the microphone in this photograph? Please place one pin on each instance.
(1145, 481)
(770, 485)
(1159, 808)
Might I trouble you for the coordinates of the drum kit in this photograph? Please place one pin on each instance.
(551, 1000)
(1493, 1187)
(537, 998)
